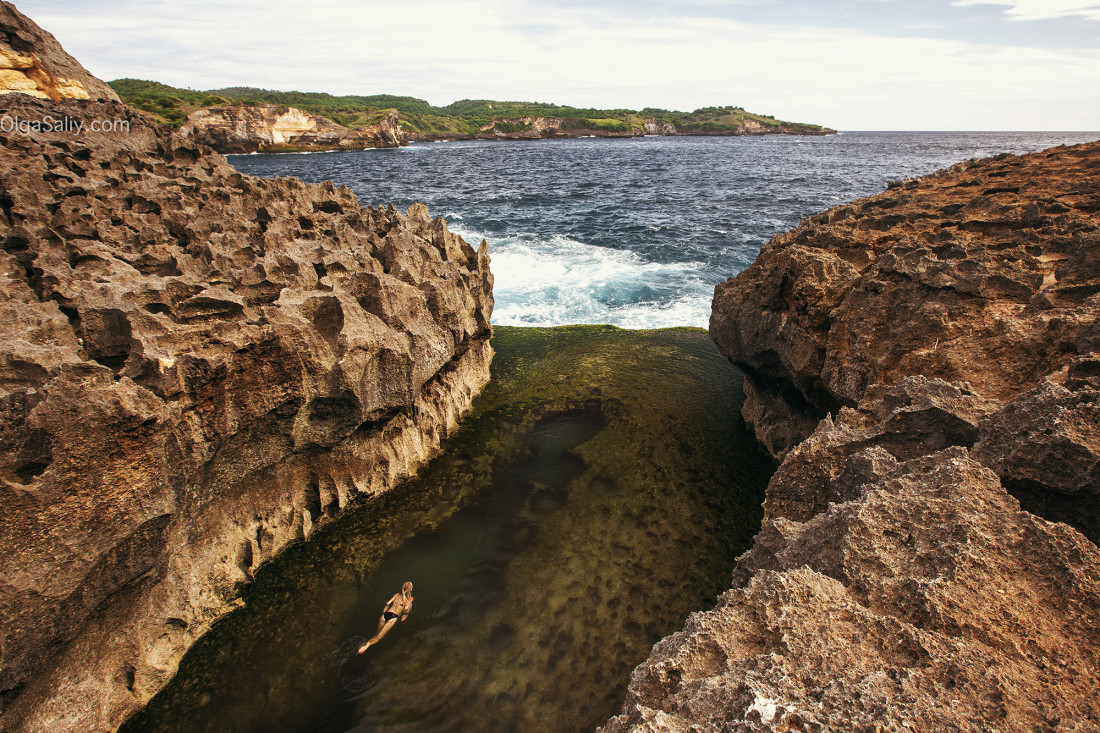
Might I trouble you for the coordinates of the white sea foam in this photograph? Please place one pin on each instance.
(557, 281)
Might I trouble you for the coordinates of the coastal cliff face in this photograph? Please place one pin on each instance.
(274, 128)
(540, 128)
(32, 62)
(198, 367)
(928, 557)
(534, 128)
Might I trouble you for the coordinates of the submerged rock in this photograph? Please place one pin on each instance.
(924, 361)
(197, 368)
(553, 541)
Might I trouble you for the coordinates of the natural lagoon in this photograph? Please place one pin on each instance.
(599, 493)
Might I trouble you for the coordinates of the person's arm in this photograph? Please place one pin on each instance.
(405, 613)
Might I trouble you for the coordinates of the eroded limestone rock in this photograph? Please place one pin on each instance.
(196, 367)
(987, 272)
(270, 127)
(930, 602)
(946, 333)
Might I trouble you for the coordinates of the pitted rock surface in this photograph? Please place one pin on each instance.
(930, 603)
(987, 272)
(196, 367)
(924, 361)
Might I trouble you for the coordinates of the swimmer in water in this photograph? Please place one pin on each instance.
(398, 606)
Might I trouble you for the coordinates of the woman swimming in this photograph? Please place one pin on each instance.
(398, 606)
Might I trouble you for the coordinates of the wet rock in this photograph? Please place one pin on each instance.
(196, 368)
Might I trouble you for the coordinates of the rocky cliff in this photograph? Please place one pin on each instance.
(275, 128)
(533, 128)
(928, 557)
(539, 128)
(196, 368)
(32, 62)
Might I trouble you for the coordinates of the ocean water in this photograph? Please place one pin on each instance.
(634, 232)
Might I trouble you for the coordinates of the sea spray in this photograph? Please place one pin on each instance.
(634, 232)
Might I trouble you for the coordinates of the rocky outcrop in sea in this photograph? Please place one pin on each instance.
(274, 128)
(198, 368)
(925, 361)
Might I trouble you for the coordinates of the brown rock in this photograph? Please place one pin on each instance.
(32, 62)
(985, 272)
(912, 418)
(949, 327)
(196, 368)
(1045, 446)
(930, 602)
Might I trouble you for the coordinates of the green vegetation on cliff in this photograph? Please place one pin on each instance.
(171, 105)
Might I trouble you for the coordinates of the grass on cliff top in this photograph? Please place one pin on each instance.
(171, 105)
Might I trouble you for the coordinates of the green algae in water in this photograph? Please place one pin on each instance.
(600, 491)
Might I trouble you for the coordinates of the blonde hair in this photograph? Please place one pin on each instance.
(407, 588)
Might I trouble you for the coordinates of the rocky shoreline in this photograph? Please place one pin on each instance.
(278, 129)
(199, 367)
(544, 128)
(925, 361)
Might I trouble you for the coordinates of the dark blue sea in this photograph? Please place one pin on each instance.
(634, 232)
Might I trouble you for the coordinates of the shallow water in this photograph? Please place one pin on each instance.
(599, 493)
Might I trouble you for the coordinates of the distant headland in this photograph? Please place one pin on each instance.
(246, 119)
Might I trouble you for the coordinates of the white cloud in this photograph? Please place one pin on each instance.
(1041, 9)
(511, 49)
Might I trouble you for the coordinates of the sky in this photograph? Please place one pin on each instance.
(848, 64)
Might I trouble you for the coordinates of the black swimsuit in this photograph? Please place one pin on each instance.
(388, 616)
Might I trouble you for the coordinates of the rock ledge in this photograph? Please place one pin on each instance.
(196, 368)
(925, 363)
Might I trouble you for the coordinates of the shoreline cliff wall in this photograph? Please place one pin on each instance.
(196, 368)
(279, 129)
(245, 119)
(273, 128)
(543, 128)
(925, 363)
